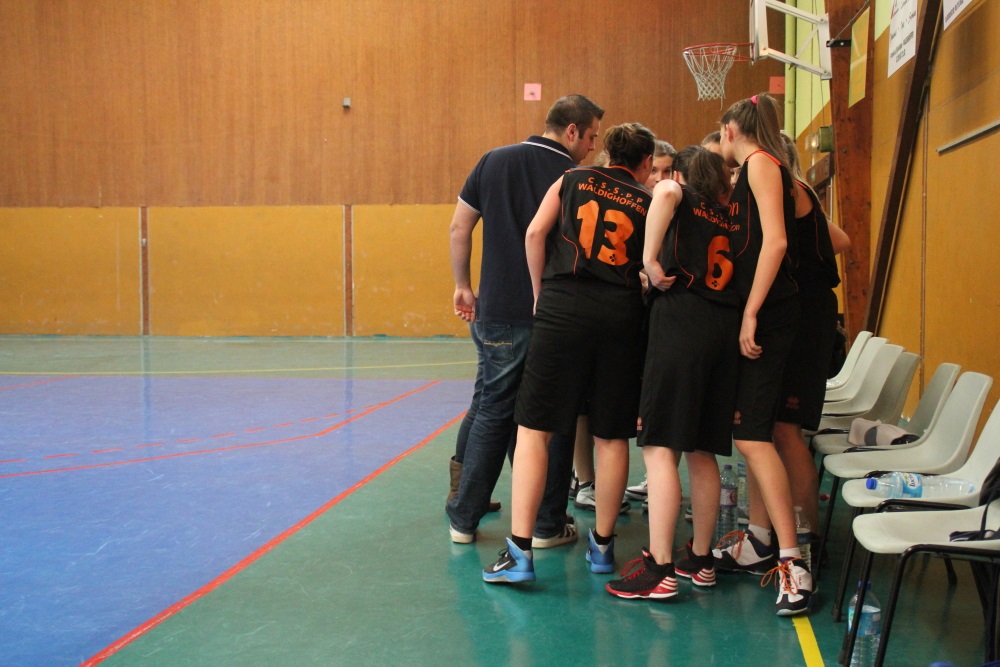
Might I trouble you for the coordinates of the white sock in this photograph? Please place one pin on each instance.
(790, 553)
(762, 534)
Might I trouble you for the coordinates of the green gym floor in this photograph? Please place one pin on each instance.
(355, 566)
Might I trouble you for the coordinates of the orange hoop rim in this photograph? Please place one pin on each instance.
(742, 51)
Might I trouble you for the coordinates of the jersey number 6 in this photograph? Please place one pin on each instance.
(720, 269)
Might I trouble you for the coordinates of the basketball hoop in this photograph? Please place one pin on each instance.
(710, 63)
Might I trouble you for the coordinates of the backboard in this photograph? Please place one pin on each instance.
(761, 47)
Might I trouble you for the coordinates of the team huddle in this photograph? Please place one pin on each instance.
(687, 306)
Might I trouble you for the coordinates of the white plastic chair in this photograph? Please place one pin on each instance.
(850, 361)
(943, 450)
(871, 385)
(932, 400)
(886, 408)
(925, 532)
(858, 376)
(953, 431)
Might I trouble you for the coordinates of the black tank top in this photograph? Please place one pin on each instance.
(601, 227)
(746, 236)
(817, 262)
(696, 249)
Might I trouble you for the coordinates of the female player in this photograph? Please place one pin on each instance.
(800, 403)
(689, 379)
(762, 215)
(586, 343)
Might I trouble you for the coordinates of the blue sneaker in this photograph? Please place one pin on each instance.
(513, 566)
(600, 557)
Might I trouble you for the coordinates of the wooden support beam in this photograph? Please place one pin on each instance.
(852, 132)
(913, 109)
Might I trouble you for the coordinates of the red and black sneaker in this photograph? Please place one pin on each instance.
(699, 569)
(643, 578)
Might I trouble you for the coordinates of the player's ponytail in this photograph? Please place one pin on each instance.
(757, 118)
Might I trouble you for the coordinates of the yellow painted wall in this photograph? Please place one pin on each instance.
(247, 271)
(69, 271)
(403, 284)
(230, 271)
(947, 231)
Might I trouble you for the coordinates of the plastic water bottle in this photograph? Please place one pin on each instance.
(803, 534)
(742, 496)
(727, 521)
(915, 485)
(869, 628)
(941, 486)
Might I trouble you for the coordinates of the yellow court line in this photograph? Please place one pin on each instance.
(807, 640)
(238, 370)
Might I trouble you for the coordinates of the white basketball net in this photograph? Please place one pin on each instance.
(709, 64)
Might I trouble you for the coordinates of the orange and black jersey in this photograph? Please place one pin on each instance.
(746, 236)
(817, 261)
(601, 227)
(696, 249)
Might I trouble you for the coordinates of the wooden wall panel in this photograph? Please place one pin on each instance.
(632, 64)
(402, 276)
(69, 271)
(246, 271)
(221, 103)
(960, 311)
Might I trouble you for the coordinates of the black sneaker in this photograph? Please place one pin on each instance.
(794, 586)
(639, 581)
(699, 569)
(740, 551)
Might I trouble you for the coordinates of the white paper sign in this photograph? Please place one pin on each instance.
(902, 33)
(952, 8)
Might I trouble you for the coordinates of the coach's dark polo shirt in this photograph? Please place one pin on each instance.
(505, 188)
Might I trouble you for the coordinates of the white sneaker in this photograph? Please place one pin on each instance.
(638, 492)
(585, 500)
(567, 536)
(794, 587)
(458, 537)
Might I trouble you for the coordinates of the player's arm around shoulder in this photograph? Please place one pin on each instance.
(666, 195)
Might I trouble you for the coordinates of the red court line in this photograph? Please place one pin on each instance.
(35, 384)
(129, 637)
(175, 455)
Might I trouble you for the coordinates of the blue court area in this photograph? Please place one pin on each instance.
(122, 494)
(258, 502)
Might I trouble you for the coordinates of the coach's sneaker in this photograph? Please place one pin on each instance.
(638, 492)
(585, 500)
(699, 569)
(567, 535)
(600, 556)
(643, 578)
(740, 551)
(514, 566)
(461, 537)
(794, 586)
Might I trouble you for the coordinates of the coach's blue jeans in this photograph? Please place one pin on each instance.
(492, 434)
(470, 416)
